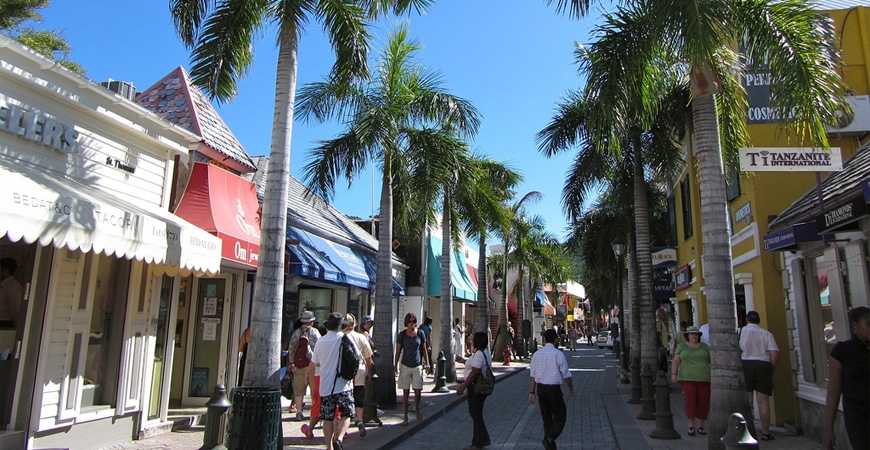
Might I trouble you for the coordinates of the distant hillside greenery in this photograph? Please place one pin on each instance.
(14, 15)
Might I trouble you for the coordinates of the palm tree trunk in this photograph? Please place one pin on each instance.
(482, 289)
(384, 331)
(501, 340)
(727, 387)
(634, 303)
(648, 346)
(446, 294)
(264, 359)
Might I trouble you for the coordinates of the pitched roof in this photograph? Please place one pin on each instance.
(176, 99)
(310, 213)
(839, 188)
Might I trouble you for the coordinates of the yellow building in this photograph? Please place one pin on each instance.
(755, 199)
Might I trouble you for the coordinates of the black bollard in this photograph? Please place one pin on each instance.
(441, 377)
(737, 436)
(648, 400)
(664, 418)
(370, 410)
(635, 382)
(216, 420)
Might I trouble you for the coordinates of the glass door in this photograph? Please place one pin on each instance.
(209, 335)
(161, 354)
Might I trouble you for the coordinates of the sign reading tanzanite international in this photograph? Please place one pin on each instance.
(785, 159)
(682, 278)
(842, 215)
(788, 238)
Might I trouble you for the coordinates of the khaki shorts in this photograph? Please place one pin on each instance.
(303, 377)
(410, 377)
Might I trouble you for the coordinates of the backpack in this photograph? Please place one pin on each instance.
(301, 359)
(348, 364)
(485, 381)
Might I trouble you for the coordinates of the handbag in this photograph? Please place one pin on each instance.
(485, 381)
(287, 384)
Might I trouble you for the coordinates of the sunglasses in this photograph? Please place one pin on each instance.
(412, 321)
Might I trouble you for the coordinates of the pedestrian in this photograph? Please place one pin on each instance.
(458, 333)
(511, 339)
(547, 370)
(663, 337)
(478, 360)
(243, 349)
(588, 336)
(362, 374)
(469, 334)
(11, 294)
(691, 368)
(849, 375)
(705, 336)
(427, 330)
(572, 338)
(409, 367)
(336, 400)
(314, 417)
(680, 336)
(760, 355)
(300, 349)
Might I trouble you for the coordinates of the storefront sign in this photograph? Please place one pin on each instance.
(743, 213)
(664, 257)
(38, 127)
(783, 159)
(682, 278)
(842, 215)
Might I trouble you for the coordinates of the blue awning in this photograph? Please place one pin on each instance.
(541, 298)
(788, 237)
(316, 257)
(464, 288)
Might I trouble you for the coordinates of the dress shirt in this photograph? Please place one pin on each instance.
(756, 342)
(549, 366)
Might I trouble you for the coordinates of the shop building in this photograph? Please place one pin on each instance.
(756, 198)
(86, 180)
(331, 263)
(203, 317)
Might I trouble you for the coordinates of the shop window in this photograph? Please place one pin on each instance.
(686, 200)
(105, 334)
(317, 300)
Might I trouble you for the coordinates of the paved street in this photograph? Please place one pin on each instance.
(598, 418)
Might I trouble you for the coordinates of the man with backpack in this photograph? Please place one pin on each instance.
(300, 349)
(336, 385)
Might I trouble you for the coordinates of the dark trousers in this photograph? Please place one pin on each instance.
(553, 409)
(475, 410)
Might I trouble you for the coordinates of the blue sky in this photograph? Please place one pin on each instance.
(512, 60)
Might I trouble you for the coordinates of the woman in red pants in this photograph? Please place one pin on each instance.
(691, 367)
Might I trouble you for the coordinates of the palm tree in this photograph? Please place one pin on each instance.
(622, 153)
(386, 121)
(220, 34)
(790, 38)
(472, 196)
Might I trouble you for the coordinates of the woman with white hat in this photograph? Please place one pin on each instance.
(691, 368)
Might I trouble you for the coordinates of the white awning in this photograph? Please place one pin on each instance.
(68, 214)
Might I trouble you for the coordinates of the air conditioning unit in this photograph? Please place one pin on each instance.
(856, 123)
(123, 88)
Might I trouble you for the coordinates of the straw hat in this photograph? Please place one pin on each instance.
(692, 330)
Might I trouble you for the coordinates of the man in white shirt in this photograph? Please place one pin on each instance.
(705, 333)
(548, 368)
(335, 392)
(760, 355)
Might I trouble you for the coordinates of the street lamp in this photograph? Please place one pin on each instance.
(618, 246)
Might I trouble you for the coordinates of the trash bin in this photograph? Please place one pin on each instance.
(255, 419)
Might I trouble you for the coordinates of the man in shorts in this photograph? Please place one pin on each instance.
(760, 355)
(336, 400)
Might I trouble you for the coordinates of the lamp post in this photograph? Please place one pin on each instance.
(618, 246)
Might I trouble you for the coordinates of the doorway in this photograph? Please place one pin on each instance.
(208, 338)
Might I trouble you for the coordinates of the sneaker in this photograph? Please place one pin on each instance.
(362, 429)
(336, 445)
(299, 416)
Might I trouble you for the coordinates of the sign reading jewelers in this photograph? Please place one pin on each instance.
(785, 159)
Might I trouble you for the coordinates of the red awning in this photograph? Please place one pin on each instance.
(226, 206)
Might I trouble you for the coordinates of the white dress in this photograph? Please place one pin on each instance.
(458, 340)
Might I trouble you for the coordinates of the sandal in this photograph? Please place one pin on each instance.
(702, 431)
(766, 437)
(691, 431)
(419, 416)
(305, 430)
